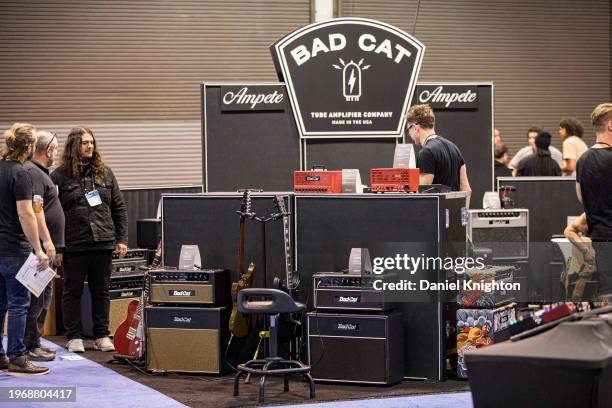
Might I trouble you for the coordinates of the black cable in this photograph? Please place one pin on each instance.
(416, 17)
(229, 342)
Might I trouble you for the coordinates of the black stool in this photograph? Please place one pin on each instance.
(271, 302)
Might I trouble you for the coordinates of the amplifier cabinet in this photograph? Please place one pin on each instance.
(505, 232)
(197, 287)
(356, 348)
(349, 292)
(148, 232)
(125, 267)
(122, 291)
(187, 339)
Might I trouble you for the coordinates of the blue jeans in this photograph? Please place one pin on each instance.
(15, 298)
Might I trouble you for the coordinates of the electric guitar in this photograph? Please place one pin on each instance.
(129, 336)
(292, 280)
(238, 325)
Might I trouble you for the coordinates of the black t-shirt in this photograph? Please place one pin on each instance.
(44, 187)
(15, 185)
(594, 173)
(501, 171)
(540, 166)
(443, 159)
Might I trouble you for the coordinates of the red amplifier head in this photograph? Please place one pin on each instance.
(317, 181)
(394, 180)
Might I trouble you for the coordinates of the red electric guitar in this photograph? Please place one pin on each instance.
(129, 336)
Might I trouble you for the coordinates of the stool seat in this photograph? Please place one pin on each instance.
(267, 301)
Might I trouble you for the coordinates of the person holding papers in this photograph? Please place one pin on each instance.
(51, 222)
(18, 237)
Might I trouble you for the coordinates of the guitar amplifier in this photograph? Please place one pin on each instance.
(132, 254)
(394, 180)
(190, 287)
(186, 339)
(317, 181)
(505, 232)
(127, 267)
(356, 348)
(341, 291)
(122, 291)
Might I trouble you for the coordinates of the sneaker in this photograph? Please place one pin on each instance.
(47, 349)
(75, 346)
(22, 366)
(38, 354)
(104, 344)
(4, 363)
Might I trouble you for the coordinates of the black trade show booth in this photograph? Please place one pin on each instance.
(255, 276)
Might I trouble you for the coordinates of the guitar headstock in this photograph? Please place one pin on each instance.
(245, 197)
(248, 210)
(245, 206)
(279, 203)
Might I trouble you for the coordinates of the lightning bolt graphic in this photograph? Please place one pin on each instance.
(351, 81)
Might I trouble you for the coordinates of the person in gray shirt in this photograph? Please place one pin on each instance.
(49, 216)
(532, 133)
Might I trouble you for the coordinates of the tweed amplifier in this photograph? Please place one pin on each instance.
(356, 348)
(342, 291)
(187, 339)
(191, 287)
(505, 232)
(122, 291)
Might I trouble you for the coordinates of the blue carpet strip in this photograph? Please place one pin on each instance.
(96, 386)
(447, 400)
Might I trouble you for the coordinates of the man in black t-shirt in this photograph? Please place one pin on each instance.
(18, 236)
(594, 190)
(51, 221)
(439, 160)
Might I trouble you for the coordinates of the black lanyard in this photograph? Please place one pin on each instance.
(604, 143)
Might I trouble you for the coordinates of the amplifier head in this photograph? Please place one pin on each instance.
(505, 232)
(195, 287)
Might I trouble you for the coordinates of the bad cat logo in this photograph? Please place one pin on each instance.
(351, 83)
(349, 77)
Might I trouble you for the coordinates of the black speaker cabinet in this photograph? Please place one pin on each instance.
(568, 366)
(148, 232)
(356, 348)
(187, 339)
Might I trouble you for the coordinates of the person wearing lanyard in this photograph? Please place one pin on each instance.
(594, 190)
(96, 225)
(440, 161)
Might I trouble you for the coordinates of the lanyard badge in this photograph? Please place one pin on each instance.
(93, 198)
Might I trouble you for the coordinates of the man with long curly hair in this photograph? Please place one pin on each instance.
(96, 225)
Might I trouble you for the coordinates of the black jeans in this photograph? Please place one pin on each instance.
(96, 267)
(37, 313)
(603, 256)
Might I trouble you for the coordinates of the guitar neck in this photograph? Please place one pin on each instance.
(143, 298)
(288, 262)
(241, 249)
